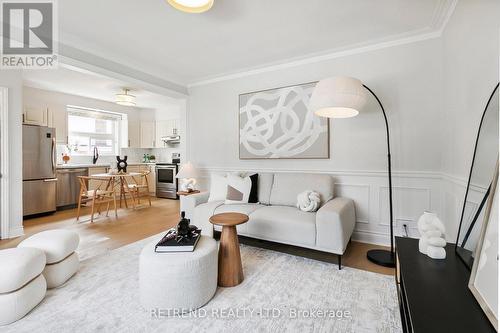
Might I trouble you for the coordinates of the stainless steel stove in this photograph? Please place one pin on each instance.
(166, 183)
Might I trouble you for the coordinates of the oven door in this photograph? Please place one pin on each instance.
(166, 183)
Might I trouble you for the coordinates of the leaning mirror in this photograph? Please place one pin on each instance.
(480, 177)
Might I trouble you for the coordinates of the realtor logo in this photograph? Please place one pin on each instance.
(28, 34)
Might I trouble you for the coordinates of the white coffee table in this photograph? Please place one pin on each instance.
(182, 281)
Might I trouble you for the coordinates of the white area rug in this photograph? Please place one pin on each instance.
(104, 296)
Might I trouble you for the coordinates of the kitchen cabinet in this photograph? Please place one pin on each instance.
(148, 134)
(163, 128)
(134, 168)
(151, 176)
(151, 179)
(58, 118)
(134, 134)
(51, 116)
(93, 184)
(35, 115)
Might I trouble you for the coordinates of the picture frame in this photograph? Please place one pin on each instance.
(256, 123)
(483, 282)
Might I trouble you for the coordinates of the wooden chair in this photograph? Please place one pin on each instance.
(125, 189)
(140, 187)
(103, 193)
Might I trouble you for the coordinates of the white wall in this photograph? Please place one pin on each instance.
(407, 79)
(433, 90)
(13, 81)
(470, 62)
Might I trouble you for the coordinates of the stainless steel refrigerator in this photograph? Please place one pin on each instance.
(39, 170)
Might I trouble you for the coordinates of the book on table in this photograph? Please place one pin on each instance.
(169, 244)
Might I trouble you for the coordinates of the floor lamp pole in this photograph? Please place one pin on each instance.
(384, 257)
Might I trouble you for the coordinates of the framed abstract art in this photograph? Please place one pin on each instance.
(278, 124)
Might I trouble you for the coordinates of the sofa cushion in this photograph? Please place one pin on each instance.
(286, 187)
(246, 209)
(241, 208)
(19, 266)
(264, 188)
(57, 244)
(283, 224)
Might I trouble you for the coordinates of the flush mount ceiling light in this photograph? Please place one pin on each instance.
(191, 6)
(125, 98)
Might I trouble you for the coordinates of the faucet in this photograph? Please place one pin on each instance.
(96, 155)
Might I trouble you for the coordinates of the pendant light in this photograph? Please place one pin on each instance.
(191, 6)
(125, 98)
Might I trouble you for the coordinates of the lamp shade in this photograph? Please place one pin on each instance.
(191, 6)
(338, 97)
(187, 171)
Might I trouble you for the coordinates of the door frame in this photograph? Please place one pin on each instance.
(4, 164)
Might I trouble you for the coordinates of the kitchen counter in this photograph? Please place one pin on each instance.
(98, 165)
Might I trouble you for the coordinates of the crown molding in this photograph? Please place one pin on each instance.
(421, 36)
(434, 29)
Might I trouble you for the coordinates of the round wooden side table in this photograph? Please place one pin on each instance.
(230, 268)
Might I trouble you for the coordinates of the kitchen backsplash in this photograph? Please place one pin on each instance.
(134, 155)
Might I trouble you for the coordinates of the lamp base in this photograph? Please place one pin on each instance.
(381, 257)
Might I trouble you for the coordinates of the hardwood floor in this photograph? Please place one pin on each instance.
(107, 233)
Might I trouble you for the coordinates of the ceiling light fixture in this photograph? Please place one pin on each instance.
(191, 6)
(125, 98)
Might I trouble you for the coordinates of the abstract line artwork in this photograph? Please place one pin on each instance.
(277, 123)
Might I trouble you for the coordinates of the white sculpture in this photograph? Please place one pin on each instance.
(432, 241)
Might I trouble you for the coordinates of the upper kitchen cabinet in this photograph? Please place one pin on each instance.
(36, 115)
(134, 134)
(166, 128)
(147, 132)
(58, 118)
(162, 129)
(51, 116)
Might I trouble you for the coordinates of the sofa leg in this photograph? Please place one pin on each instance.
(340, 261)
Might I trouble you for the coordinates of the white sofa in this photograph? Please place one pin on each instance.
(275, 218)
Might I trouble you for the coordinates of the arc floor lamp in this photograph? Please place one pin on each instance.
(344, 97)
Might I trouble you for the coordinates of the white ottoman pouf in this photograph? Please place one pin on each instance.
(59, 247)
(22, 286)
(181, 281)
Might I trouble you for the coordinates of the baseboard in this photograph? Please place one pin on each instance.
(16, 232)
(371, 237)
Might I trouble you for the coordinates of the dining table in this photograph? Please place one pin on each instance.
(119, 183)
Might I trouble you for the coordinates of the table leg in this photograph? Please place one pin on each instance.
(230, 268)
(122, 184)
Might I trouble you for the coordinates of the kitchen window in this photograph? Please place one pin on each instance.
(89, 128)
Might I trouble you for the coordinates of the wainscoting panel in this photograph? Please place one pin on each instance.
(409, 203)
(360, 193)
(413, 193)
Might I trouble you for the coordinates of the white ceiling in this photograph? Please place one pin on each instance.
(236, 35)
(91, 85)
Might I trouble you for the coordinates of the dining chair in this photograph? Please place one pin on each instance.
(140, 186)
(102, 194)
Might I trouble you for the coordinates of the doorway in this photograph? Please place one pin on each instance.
(4, 164)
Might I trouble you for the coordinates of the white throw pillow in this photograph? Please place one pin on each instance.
(218, 187)
(238, 189)
(308, 201)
